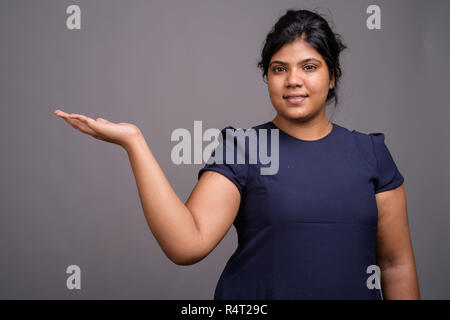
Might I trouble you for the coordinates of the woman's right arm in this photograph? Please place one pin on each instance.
(186, 232)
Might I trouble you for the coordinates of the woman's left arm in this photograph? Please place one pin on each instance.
(395, 255)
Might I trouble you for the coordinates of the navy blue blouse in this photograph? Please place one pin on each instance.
(308, 231)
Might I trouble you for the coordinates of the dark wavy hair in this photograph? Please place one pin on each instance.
(315, 30)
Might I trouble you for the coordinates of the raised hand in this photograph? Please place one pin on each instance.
(101, 129)
(187, 232)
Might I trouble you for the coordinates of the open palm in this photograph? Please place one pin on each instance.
(102, 129)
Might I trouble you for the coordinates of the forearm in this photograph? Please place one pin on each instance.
(167, 216)
(399, 282)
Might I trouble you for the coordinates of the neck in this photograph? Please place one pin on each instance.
(312, 129)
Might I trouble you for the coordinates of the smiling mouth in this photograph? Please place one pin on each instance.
(296, 99)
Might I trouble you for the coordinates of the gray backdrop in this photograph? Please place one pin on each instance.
(67, 198)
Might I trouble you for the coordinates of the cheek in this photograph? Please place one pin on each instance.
(313, 84)
(318, 83)
(275, 89)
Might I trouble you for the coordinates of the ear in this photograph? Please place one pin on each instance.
(332, 81)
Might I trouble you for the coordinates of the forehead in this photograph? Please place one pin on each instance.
(295, 51)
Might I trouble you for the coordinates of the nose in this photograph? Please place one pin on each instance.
(294, 78)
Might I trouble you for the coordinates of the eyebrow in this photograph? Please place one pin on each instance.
(303, 61)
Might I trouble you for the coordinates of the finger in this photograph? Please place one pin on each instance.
(81, 127)
(102, 120)
(72, 123)
(75, 123)
(91, 123)
(63, 115)
(60, 113)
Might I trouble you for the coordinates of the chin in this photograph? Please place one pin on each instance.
(296, 113)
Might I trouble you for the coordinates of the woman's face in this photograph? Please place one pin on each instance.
(298, 69)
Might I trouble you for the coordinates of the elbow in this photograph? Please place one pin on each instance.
(188, 257)
(187, 252)
(183, 262)
(186, 261)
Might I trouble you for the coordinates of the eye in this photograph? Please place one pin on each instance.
(310, 65)
(277, 68)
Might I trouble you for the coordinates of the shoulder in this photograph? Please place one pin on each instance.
(367, 144)
(372, 146)
(228, 156)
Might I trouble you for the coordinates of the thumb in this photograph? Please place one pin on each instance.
(102, 120)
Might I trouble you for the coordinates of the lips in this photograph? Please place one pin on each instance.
(295, 95)
(295, 99)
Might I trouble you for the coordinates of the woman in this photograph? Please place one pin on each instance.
(334, 211)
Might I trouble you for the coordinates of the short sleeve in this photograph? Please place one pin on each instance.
(236, 172)
(388, 175)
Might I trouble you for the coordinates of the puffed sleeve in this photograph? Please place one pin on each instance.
(236, 172)
(388, 175)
